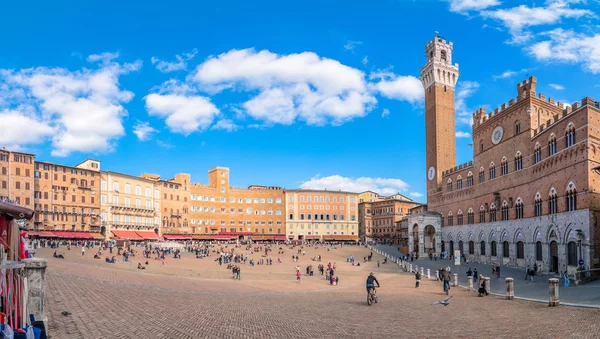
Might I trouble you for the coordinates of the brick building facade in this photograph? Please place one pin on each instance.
(379, 216)
(529, 196)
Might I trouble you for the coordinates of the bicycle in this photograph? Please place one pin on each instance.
(372, 297)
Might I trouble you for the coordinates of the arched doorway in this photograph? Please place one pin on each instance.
(416, 238)
(451, 247)
(429, 239)
(553, 256)
(443, 246)
(103, 230)
(460, 247)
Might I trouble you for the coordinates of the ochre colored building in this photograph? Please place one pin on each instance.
(530, 194)
(16, 179)
(321, 215)
(221, 211)
(379, 216)
(67, 198)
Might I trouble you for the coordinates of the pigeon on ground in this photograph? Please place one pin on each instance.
(444, 302)
(65, 313)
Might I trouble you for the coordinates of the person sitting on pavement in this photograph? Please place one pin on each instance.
(140, 267)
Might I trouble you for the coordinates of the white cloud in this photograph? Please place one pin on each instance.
(461, 6)
(383, 186)
(506, 74)
(290, 87)
(20, 129)
(557, 87)
(405, 88)
(416, 194)
(460, 134)
(350, 45)
(164, 144)
(464, 90)
(144, 131)
(180, 64)
(570, 47)
(225, 125)
(184, 113)
(518, 19)
(365, 60)
(385, 113)
(83, 108)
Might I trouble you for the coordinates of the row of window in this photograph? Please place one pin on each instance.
(318, 198)
(322, 217)
(238, 200)
(323, 207)
(17, 158)
(138, 202)
(520, 250)
(231, 222)
(233, 210)
(17, 171)
(310, 226)
(570, 205)
(138, 189)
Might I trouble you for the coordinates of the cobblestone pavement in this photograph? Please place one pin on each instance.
(586, 294)
(190, 298)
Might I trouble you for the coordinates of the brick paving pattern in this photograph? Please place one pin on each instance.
(196, 298)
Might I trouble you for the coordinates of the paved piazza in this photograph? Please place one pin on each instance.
(197, 298)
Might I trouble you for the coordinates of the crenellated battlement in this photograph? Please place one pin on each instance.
(566, 110)
(457, 168)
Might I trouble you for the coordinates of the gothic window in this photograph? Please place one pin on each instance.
(552, 145)
(481, 175)
(450, 219)
(517, 127)
(494, 249)
(505, 249)
(520, 250)
(571, 197)
(519, 209)
(492, 171)
(552, 202)
(470, 179)
(538, 205)
(504, 212)
(493, 213)
(504, 167)
(482, 247)
(481, 214)
(459, 218)
(470, 217)
(518, 161)
(538, 251)
(442, 221)
(537, 153)
(449, 185)
(570, 135)
(459, 183)
(471, 247)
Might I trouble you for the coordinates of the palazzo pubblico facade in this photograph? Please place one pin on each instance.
(530, 194)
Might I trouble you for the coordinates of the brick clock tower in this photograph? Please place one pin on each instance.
(439, 77)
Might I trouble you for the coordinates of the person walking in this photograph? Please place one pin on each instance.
(299, 276)
(418, 279)
(446, 281)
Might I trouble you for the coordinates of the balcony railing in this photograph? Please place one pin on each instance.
(126, 224)
(133, 207)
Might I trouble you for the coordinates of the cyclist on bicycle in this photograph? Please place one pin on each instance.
(370, 283)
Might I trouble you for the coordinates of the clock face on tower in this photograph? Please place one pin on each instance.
(497, 135)
(431, 173)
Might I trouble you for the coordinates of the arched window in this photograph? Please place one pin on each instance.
(518, 161)
(517, 127)
(538, 251)
(460, 247)
(494, 249)
(504, 166)
(572, 253)
(492, 170)
(570, 135)
(481, 214)
(459, 182)
(442, 221)
(519, 209)
(481, 175)
(537, 153)
(471, 247)
(538, 205)
(443, 56)
(504, 210)
(520, 250)
(493, 213)
(459, 218)
(470, 179)
(552, 202)
(505, 249)
(571, 197)
(552, 145)
(450, 219)
(470, 217)
(449, 185)
(482, 247)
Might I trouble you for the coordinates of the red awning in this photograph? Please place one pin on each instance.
(223, 237)
(235, 233)
(43, 234)
(127, 235)
(177, 237)
(280, 237)
(70, 235)
(148, 235)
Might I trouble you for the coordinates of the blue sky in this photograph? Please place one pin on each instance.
(314, 94)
